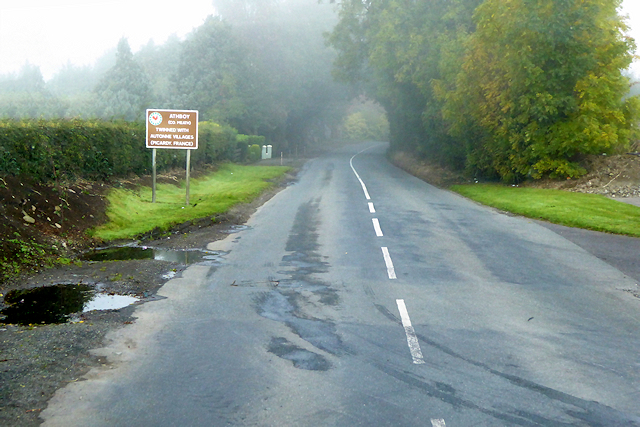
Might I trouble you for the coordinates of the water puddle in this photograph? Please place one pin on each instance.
(56, 304)
(287, 303)
(236, 229)
(280, 306)
(119, 254)
(103, 301)
(301, 358)
(124, 253)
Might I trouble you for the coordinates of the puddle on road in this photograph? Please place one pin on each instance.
(280, 306)
(124, 253)
(103, 301)
(58, 303)
(288, 302)
(119, 254)
(236, 229)
(55, 304)
(301, 358)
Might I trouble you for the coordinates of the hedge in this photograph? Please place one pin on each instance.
(45, 150)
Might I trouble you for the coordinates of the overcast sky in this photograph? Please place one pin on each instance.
(49, 33)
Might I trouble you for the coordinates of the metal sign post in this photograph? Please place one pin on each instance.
(188, 173)
(153, 160)
(175, 129)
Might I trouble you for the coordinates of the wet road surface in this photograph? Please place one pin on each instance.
(363, 296)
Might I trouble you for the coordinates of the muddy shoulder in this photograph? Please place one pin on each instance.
(38, 357)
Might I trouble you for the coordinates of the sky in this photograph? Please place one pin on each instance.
(50, 33)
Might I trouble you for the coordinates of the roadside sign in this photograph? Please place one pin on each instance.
(176, 129)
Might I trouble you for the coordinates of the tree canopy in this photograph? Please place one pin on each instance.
(124, 91)
(507, 88)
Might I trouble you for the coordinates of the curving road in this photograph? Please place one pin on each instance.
(361, 296)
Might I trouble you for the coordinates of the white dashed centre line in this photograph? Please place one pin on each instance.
(371, 208)
(387, 260)
(412, 339)
(376, 226)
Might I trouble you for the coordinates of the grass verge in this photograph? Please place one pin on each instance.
(131, 212)
(589, 211)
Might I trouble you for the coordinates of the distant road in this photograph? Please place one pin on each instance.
(362, 296)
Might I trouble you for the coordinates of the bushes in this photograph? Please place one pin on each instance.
(255, 153)
(252, 146)
(252, 139)
(216, 143)
(47, 150)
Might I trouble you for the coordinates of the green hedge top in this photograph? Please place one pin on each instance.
(45, 150)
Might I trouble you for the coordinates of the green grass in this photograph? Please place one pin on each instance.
(131, 213)
(589, 211)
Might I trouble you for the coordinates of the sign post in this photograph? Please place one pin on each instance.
(174, 129)
(153, 161)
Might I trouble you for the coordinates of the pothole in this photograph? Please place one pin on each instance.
(57, 303)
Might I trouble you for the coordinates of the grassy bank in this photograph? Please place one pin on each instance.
(131, 213)
(589, 211)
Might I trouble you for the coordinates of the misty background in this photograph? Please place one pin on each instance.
(261, 66)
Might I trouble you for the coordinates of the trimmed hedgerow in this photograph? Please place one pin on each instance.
(47, 150)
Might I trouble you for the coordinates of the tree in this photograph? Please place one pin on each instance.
(213, 65)
(26, 95)
(510, 88)
(124, 91)
(160, 63)
(73, 80)
(542, 85)
(395, 51)
(298, 102)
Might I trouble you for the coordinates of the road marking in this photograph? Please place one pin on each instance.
(371, 208)
(364, 187)
(376, 226)
(437, 423)
(387, 260)
(412, 339)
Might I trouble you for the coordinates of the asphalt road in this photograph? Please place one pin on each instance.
(363, 296)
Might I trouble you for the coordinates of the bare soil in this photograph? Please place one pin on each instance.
(615, 176)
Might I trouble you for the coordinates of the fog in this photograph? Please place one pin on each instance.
(261, 66)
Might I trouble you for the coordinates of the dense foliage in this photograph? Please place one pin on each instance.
(47, 150)
(507, 88)
(365, 121)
